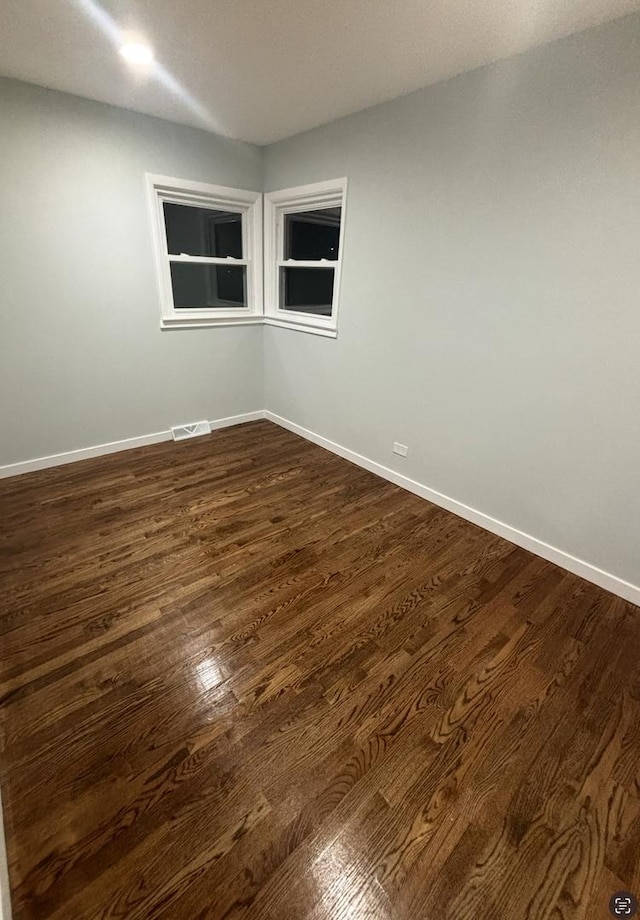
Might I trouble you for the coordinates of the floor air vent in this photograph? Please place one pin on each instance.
(194, 430)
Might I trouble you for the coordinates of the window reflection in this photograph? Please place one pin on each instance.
(312, 235)
(202, 231)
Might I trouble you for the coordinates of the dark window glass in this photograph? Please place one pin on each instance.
(307, 290)
(197, 285)
(202, 231)
(312, 235)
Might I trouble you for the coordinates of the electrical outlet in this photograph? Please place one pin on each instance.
(401, 449)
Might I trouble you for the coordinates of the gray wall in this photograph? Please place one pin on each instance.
(490, 313)
(82, 358)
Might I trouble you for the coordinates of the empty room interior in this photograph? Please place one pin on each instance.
(319, 459)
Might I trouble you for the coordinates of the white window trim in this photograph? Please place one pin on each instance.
(332, 193)
(201, 194)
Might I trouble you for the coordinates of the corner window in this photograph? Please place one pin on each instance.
(303, 249)
(208, 248)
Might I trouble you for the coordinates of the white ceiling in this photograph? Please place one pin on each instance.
(262, 70)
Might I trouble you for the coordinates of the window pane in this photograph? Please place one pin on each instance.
(311, 235)
(307, 290)
(202, 231)
(197, 285)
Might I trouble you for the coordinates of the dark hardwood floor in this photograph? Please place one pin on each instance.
(242, 678)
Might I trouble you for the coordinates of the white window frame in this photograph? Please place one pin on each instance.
(218, 197)
(332, 193)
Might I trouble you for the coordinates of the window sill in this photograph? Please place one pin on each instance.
(248, 321)
(301, 327)
(211, 323)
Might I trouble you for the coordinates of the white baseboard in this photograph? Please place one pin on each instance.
(99, 450)
(237, 419)
(566, 561)
(5, 897)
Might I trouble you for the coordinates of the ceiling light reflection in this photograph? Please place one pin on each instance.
(118, 37)
(344, 886)
(208, 674)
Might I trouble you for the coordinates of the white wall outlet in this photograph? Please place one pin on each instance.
(401, 449)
